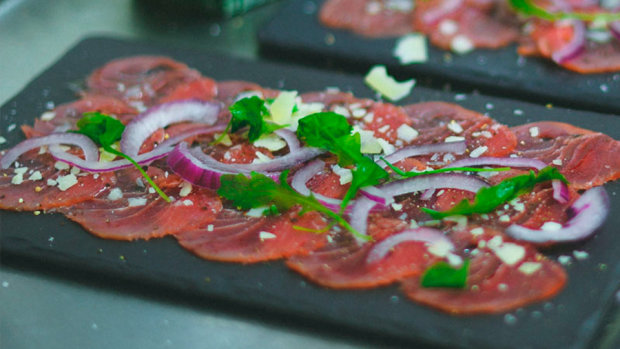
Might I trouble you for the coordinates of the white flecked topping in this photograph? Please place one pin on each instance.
(406, 133)
(17, 179)
(477, 231)
(261, 158)
(529, 268)
(188, 202)
(455, 127)
(448, 27)
(115, 194)
(271, 142)
(256, 212)
(59, 165)
(534, 131)
(136, 202)
(36, 176)
(557, 162)
(51, 182)
(564, 260)
(580, 255)
(386, 146)
(440, 248)
(478, 151)
(345, 174)
(451, 139)
(510, 253)
(265, 235)
(210, 227)
(411, 48)
(461, 44)
(66, 182)
(48, 115)
(186, 189)
(551, 226)
(2, 140)
(338, 109)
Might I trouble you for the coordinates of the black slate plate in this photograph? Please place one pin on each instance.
(296, 34)
(570, 320)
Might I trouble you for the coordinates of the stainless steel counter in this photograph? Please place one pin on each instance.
(45, 310)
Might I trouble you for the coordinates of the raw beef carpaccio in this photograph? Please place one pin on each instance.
(400, 241)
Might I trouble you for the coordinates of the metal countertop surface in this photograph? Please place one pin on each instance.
(43, 309)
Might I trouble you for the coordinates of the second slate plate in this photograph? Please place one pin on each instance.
(296, 34)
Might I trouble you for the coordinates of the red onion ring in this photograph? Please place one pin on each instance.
(303, 175)
(159, 152)
(444, 9)
(290, 138)
(575, 46)
(359, 213)
(423, 234)
(89, 148)
(614, 28)
(560, 191)
(589, 211)
(417, 150)
(141, 127)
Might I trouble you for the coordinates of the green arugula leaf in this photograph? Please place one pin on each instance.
(528, 8)
(105, 130)
(487, 199)
(442, 274)
(251, 111)
(259, 190)
(332, 132)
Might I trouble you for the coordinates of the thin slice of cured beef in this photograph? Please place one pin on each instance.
(586, 158)
(128, 211)
(204, 89)
(486, 24)
(344, 264)
(370, 18)
(494, 286)
(140, 79)
(65, 116)
(436, 121)
(42, 186)
(235, 237)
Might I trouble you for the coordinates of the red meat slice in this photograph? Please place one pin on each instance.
(344, 264)
(142, 79)
(358, 16)
(486, 24)
(204, 89)
(67, 115)
(493, 286)
(33, 195)
(234, 237)
(112, 218)
(432, 119)
(586, 158)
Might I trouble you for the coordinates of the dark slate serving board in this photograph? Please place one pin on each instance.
(570, 320)
(296, 34)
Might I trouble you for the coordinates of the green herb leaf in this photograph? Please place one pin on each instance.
(105, 130)
(528, 8)
(259, 190)
(442, 274)
(332, 132)
(487, 199)
(251, 111)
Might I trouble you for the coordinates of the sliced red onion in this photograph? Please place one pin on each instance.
(423, 234)
(159, 152)
(377, 195)
(444, 9)
(589, 211)
(575, 46)
(417, 150)
(201, 169)
(359, 213)
(141, 127)
(560, 191)
(303, 175)
(290, 138)
(614, 28)
(428, 194)
(274, 165)
(505, 162)
(89, 148)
